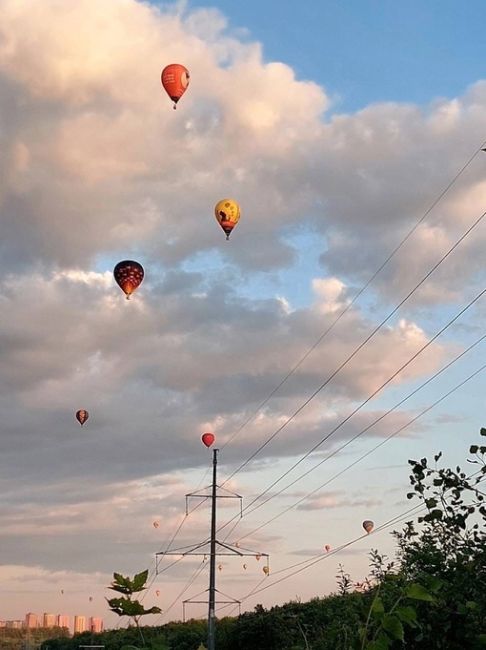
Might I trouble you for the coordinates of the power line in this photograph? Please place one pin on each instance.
(306, 564)
(356, 296)
(360, 406)
(357, 349)
(380, 444)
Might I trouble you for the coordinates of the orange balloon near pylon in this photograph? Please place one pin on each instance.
(175, 80)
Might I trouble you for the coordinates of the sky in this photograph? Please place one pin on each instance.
(338, 127)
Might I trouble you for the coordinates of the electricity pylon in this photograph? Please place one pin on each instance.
(212, 547)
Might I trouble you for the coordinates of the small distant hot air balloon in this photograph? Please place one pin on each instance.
(175, 80)
(82, 416)
(258, 557)
(208, 439)
(266, 570)
(327, 548)
(128, 275)
(155, 524)
(368, 525)
(227, 213)
(157, 592)
(244, 566)
(220, 567)
(62, 591)
(237, 544)
(91, 599)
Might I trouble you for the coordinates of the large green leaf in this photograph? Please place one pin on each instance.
(393, 626)
(138, 583)
(377, 607)
(407, 615)
(417, 592)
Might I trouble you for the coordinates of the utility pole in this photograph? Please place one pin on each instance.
(212, 560)
(215, 548)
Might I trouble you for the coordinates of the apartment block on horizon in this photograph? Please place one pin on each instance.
(63, 620)
(16, 625)
(48, 620)
(95, 624)
(31, 621)
(79, 624)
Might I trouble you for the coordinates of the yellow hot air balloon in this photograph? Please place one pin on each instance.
(227, 213)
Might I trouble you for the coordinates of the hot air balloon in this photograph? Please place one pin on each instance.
(155, 524)
(128, 275)
(91, 599)
(258, 557)
(175, 80)
(157, 592)
(266, 570)
(244, 566)
(327, 548)
(62, 591)
(227, 213)
(237, 544)
(368, 525)
(208, 439)
(82, 416)
(220, 567)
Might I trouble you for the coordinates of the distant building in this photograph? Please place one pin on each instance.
(13, 624)
(79, 624)
(31, 621)
(63, 620)
(48, 620)
(95, 624)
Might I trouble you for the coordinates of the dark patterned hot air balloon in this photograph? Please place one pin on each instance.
(82, 416)
(128, 275)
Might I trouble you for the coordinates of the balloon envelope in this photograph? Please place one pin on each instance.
(156, 524)
(175, 80)
(128, 276)
(266, 570)
(368, 525)
(208, 439)
(327, 548)
(227, 213)
(82, 416)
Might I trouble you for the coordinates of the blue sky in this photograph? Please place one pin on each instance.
(364, 51)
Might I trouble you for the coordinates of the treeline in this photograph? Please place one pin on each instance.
(28, 639)
(432, 597)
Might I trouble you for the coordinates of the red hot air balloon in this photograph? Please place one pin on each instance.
(175, 80)
(208, 439)
(128, 275)
(82, 416)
